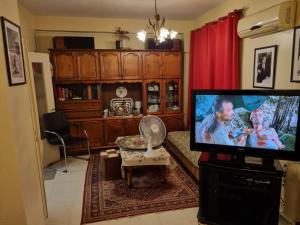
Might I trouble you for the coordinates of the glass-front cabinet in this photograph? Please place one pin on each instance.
(153, 94)
(173, 96)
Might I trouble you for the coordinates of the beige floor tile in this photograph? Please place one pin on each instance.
(147, 219)
(121, 221)
(177, 217)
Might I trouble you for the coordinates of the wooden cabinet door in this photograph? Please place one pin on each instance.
(87, 65)
(152, 95)
(131, 65)
(95, 132)
(110, 65)
(173, 123)
(132, 126)
(64, 65)
(113, 128)
(172, 64)
(152, 65)
(172, 97)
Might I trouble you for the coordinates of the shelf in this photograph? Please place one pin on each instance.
(78, 101)
(68, 82)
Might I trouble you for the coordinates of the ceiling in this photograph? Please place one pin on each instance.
(138, 9)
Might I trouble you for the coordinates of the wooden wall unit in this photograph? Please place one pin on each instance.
(113, 128)
(138, 70)
(64, 65)
(172, 65)
(131, 65)
(152, 65)
(110, 65)
(87, 64)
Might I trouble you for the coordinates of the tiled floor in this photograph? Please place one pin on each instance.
(64, 198)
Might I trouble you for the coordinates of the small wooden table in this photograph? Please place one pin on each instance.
(134, 158)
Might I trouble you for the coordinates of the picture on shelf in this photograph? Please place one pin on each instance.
(264, 67)
(295, 74)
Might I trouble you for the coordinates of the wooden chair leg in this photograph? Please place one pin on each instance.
(129, 176)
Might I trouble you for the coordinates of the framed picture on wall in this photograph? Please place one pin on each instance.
(264, 67)
(295, 74)
(13, 52)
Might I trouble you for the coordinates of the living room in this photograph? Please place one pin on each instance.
(22, 188)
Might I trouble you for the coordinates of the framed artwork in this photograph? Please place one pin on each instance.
(13, 52)
(295, 74)
(264, 67)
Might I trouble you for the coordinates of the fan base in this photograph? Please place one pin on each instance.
(151, 154)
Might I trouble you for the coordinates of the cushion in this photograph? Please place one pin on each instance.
(181, 139)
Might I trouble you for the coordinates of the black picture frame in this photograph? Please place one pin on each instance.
(13, 52)
(264, 68)
(295, 67)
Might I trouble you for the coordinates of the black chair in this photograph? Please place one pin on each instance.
(57, 132)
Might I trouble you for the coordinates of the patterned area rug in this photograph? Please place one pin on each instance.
(105, 200)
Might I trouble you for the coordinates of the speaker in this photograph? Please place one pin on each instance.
(73, 43)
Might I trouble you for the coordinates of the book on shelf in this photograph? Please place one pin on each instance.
(98, 91)
(78, 92)
(94, 91)
(89, 92)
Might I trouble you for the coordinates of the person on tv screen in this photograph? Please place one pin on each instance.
(263, 137)
(213, 126)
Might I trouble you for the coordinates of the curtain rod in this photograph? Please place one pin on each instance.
(241, 10)
(83, 32)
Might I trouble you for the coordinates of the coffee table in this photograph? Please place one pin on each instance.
(136, 158)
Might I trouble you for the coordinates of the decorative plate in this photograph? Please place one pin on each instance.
(132, 142)
(121, 92)
(121, 106)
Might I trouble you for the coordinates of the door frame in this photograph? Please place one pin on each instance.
(33, 57)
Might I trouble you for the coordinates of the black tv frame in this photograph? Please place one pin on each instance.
(239, 152)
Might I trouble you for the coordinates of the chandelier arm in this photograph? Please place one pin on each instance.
(163, 23)
(150, 23)
(155, 8)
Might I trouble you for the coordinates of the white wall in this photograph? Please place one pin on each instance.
(27, 23)
(20, 190)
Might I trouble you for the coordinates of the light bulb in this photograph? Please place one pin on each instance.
(161, 39)
(163, 32)
(173, 34)
(142, 35)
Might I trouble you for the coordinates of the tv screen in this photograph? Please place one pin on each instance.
(260, 123)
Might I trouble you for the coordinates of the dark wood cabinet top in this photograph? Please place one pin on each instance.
(114, 50)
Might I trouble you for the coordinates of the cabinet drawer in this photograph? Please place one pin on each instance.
(82, 114)
(79, 106)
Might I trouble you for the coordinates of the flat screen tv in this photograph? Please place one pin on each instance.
(250, 122)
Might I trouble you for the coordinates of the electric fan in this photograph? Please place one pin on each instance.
(153, 130)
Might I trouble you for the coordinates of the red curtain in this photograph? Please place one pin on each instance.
(214, 57)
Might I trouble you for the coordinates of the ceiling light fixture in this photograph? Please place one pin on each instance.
(157, 28)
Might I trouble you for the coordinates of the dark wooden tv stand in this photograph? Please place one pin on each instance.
(238, 195)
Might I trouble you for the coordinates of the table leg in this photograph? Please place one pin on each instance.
(129, 176)
(163, 174)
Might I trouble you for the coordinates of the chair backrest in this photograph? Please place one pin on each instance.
(56, 121)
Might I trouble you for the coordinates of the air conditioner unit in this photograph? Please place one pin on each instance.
(277, 18)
